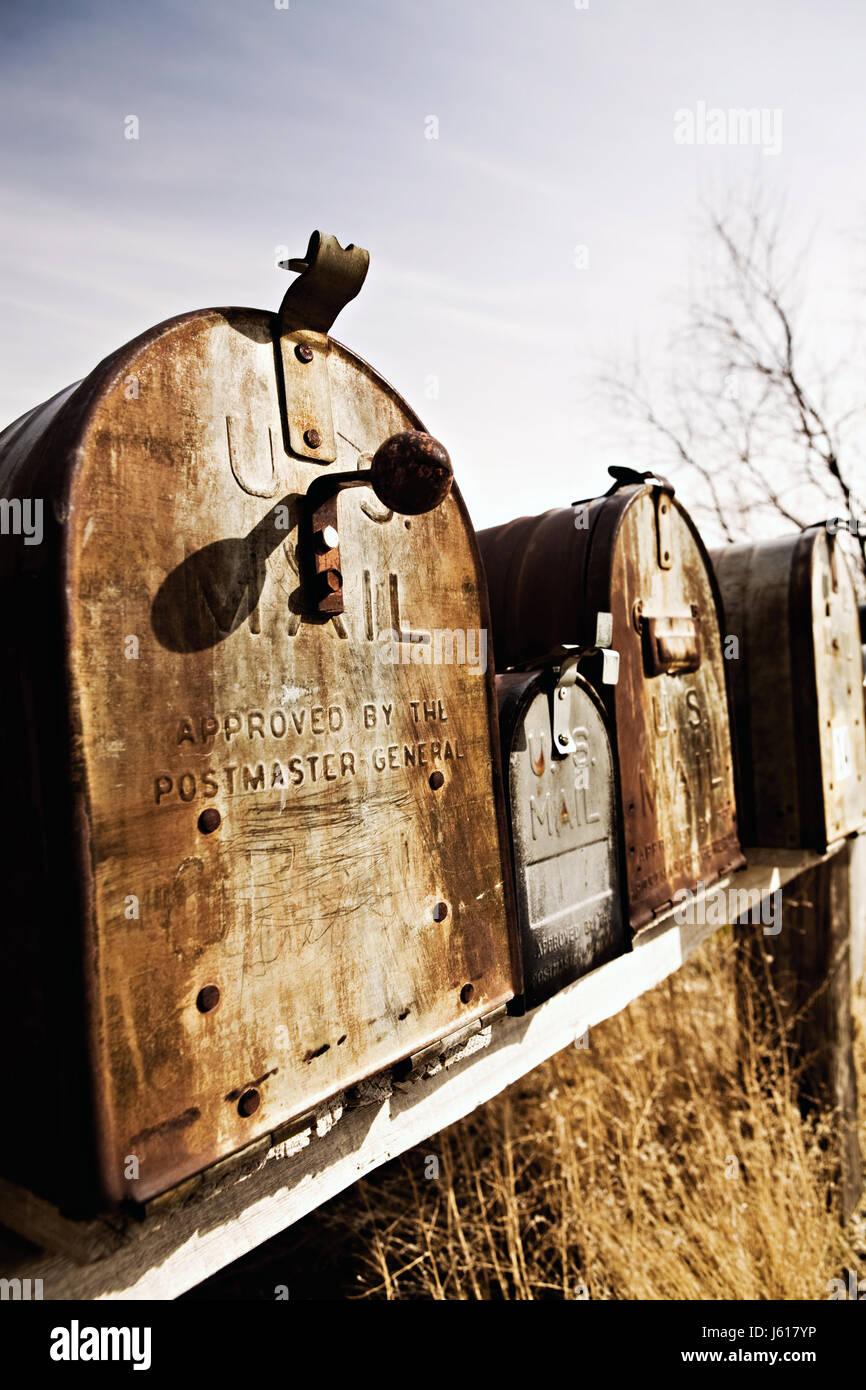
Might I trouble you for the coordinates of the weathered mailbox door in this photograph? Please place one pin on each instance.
(268, 690)
(635, 554)
(797, 685)
(564, 829)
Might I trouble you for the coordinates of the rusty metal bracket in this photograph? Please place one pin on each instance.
(330, 276)
(671, 645)
(664, 530)
(562, 739)
(832, 548)
(327, 570)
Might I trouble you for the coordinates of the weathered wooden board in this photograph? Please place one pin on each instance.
(178, 1246)
(801, 1000)
(634, 554)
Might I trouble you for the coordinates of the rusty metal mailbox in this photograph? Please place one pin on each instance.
(798, 688)
(634, 554)
(562, 801)
(254, 838)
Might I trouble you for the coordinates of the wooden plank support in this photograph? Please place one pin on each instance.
(800, 1000)
(229, 1212)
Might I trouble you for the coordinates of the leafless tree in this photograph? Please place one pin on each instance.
(769, 435)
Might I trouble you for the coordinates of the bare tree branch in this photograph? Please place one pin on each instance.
(745, 411)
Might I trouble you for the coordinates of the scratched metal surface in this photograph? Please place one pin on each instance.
(836, 638)
(565, 834)
(347, 908)
(548, 577)
(798, 689)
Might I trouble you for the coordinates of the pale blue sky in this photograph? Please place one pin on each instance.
(555, 129)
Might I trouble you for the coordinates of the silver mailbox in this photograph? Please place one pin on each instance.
(562, 808)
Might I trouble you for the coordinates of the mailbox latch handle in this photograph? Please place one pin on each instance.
(411, 473)
(672, 646)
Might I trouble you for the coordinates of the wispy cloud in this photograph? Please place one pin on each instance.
(257, 125)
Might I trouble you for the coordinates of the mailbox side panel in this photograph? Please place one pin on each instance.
(564, 833)
(775, 734)
(536, 570)
(44, 955)
(348, 906)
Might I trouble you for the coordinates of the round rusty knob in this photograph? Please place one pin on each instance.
(411, 473)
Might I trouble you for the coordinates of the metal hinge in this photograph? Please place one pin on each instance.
(834, 561)
(330, 276)
(664, 530)
(562, 739)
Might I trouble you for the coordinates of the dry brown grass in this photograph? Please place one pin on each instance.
(649, 1166)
